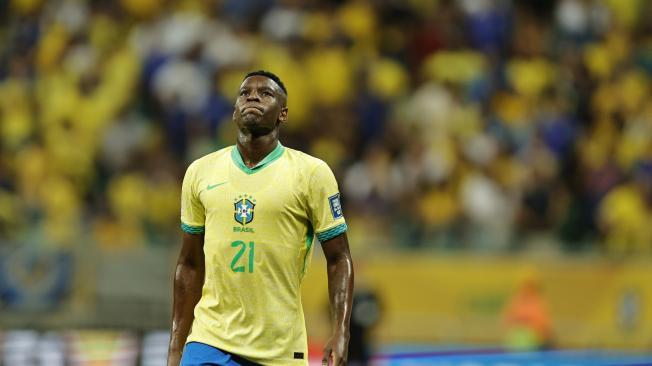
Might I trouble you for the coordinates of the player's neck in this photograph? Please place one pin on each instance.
(253, 149)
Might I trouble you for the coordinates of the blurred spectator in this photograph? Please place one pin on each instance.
(625, 214)
(527, 318)
(365, 315)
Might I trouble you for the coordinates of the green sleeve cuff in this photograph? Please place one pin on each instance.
(332, 232)
(192, 229)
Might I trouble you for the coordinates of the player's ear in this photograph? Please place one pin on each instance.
(283, 117)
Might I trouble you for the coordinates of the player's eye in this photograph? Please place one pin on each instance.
(267, 93)
(243, 93)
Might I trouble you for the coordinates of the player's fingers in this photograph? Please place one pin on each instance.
(333, 361)
(337, 361)
(327, 356)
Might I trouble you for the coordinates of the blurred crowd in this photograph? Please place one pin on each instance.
(476, 124)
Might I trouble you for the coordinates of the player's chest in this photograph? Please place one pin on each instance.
(245, 202)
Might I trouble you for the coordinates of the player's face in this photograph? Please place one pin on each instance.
(260, 106)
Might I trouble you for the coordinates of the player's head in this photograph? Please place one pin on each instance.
(261, 103)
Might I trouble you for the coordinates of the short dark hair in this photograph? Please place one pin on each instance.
(269, 75)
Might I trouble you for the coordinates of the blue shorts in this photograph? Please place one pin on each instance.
(200, 354)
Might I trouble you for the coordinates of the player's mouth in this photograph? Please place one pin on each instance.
(251, 109)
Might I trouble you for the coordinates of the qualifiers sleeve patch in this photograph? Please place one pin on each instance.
(336, 206)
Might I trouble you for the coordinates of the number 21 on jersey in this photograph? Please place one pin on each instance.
(242, 248)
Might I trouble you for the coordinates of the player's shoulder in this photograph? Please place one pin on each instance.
(304, 160)
(310, 169)
(210, 159)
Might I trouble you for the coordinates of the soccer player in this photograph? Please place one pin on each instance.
(249, 213)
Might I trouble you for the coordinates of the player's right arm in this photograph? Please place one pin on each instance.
(188, 282)
(189, 274)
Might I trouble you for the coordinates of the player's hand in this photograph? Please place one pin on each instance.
(336, 351)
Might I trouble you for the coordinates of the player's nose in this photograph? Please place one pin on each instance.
(253, 96)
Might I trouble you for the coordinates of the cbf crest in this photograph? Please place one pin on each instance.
(244, 209)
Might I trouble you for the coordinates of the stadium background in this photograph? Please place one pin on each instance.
(494, 157)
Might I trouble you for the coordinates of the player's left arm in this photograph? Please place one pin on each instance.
(327, 219)
(340, 290)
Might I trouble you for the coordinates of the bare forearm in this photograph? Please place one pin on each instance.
(188, 283)
(340, 289)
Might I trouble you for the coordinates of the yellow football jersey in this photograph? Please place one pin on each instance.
(258, 226)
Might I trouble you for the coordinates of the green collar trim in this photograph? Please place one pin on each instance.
(270, 158)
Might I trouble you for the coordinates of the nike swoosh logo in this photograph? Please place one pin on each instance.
(211, 186)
